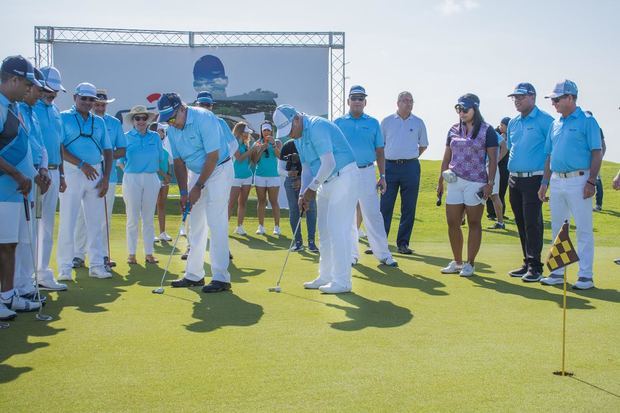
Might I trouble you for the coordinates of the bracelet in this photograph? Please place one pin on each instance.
(183, 192)
(81, 164)
(591, 183)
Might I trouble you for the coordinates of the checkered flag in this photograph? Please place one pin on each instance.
(562, 252)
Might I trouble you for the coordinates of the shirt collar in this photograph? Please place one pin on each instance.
(189, 119)
(533, 113)
(349, 116)
(397, 116)
(576, 114)
(134, 132)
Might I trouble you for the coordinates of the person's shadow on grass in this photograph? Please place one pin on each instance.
(368, 313)
(395, 277)
(238, 274)
(225, 309)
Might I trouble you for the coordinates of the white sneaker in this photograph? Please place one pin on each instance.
(19, 304)
(354, 261)
(452, 268)
(467, 270)
(6, 314)
(165, 237)
(553, 279)
(390, 262)
(65, 276)
(182, 232)
(583, 284)
(315, 284)
(361, 234)
(156, 239)
(332, 288)
(260, 230)
(240, 230)
(276, 230)
(50, 284)
(99, 272)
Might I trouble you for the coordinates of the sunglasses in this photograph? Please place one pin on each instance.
(87, 99)
(140, 118)
(357, 99)
(461, 109)
(172, 120)
(556, 100)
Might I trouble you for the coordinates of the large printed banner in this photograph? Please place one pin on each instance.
(247, 83)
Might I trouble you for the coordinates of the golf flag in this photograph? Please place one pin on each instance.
(562, 252)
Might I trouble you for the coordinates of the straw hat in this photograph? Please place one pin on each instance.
(139, 110)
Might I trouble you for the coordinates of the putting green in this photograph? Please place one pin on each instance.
(407, 338)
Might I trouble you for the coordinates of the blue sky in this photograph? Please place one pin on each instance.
(438, 50)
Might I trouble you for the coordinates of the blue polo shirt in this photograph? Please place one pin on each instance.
(33, 128)
(51, 130)
(242, 168)
(226, 131)
(319, 137)
(201, 135)
(85, 139)
(16, 152)
(571, 140)
(526, 141)
(117, 140)
(144, 152)
(267, 165)
(364, 135)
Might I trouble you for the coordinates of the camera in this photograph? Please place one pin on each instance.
(292, 161)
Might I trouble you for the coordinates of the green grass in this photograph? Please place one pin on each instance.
(407, 339)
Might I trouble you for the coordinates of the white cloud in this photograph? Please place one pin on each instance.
(448, 7)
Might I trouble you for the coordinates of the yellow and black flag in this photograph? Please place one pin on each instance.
(562, 252)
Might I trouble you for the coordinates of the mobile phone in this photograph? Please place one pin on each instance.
(480, 196)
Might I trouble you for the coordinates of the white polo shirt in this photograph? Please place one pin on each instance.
(403, 137)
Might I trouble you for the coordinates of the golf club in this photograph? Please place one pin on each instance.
(39, 316)
(160, 290)
(107, 232)
(277, 288)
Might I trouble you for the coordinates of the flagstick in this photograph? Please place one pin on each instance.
(563, 372)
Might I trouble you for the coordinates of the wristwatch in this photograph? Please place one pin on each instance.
(199, 185)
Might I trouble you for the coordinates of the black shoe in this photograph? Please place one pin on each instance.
(368, 251)
(185, 254)
(216, 287)
(230, 257)
(532, 276)
(492, 217)
(518, 272)
(33, 297)
(109, 263)
(184, 282)
(77, 263)
(312, 247)
(403, 249)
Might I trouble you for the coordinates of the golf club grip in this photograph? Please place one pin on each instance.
(27, 208)
(186, 211)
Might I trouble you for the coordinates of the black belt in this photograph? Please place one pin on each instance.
(401, 161)
(224, 161)
(365, 166)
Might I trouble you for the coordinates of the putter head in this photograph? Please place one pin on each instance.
(43, 317)
(159, 290)
(277, 289)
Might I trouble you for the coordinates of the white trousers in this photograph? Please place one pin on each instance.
(566, 200)
(80, 193)
(46, 226)
(24, 270)
(373, 220)
(210, 213)
(80, 225)
(140, 194)
(336, 201)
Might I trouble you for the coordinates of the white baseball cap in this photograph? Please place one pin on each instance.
(86, 89)
(52, 78)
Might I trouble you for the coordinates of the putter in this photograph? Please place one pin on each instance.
(107, 228)
(39, 316)
(277, 288)
(160, 290)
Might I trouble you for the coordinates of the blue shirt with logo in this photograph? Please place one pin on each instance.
(526, 138)
(33, 128)
(86, 138)
(319, 137)
(571, 140)
(117, 140)
(51, 130)
(242, 168)
(364, 135)
(144, 152)
(267, 165)
(16, 152)
(201, 135)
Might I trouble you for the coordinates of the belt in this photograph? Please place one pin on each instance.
(568, 174)
(344, 169)
(526, 174)
(365, 166)
(400, 161)
(224, 161)
(52, 167)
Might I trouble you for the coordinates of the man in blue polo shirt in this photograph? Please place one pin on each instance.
(574, 157)
(330, 175)
(526, 136)
(364, 135)
(202, 163)
(87, 155)
(16, 175)
(51, 132)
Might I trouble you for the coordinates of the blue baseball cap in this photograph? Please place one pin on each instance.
(283, 119)
(523, 89)
(468, 101)
(167, 104)
(39, 76)
(19, 66)
(86, 89)
(357, 90)
(205, 97)
(565, 87)
(52, 78)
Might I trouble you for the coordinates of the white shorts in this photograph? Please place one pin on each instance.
(14, 228)
(463, 192)
(242, 181)
(266, 181)
(495, 190)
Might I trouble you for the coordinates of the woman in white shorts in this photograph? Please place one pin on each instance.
(265, 154)
(464, 167)
(242, 182)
